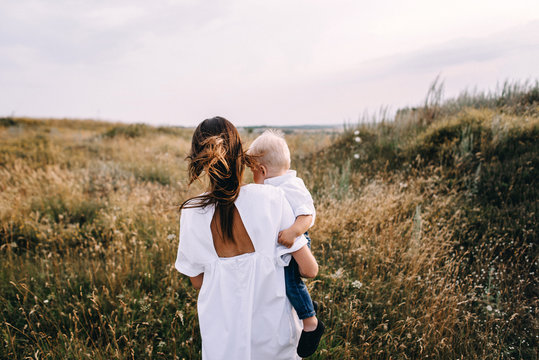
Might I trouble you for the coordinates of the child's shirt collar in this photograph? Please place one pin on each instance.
(278, 180)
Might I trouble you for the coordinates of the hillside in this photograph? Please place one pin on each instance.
(426, 234)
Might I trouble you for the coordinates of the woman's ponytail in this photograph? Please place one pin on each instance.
(216, 150)
(210, 160)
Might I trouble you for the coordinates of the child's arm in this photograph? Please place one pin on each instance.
(302, 224)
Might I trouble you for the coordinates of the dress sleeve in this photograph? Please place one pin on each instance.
(283, 254)
(186, 260)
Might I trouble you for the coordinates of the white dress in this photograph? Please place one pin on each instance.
(243, 310)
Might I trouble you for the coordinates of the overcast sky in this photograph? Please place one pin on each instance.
(255, 62)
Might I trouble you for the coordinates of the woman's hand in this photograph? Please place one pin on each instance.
(196, 281)
(308, 267)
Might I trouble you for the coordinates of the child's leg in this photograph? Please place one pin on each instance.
(308, 239)
(296, 291)
(299, 297)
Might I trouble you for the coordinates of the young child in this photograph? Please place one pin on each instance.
(273, 158)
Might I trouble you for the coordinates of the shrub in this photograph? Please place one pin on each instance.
(7, 121)
(129, 131)
(58, 208)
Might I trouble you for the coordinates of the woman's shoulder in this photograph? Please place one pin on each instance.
(194, 207)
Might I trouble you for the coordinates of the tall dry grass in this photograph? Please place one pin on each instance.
(426, 236)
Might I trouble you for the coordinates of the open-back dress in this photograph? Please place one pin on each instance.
(243, 310)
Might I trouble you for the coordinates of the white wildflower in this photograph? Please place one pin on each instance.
(179, 314)
(357, 139)
(46, 301)
(357, 284)
(171, 237)
(338, 274)
(356, 156)
(356, 132)
(489, 308)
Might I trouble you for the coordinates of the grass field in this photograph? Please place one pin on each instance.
(426, 234)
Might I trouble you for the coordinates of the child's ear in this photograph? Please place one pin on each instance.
(263, 170)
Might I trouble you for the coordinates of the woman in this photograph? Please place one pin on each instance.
(228, 248)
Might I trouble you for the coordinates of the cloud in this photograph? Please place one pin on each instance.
(177, 61)
(114, 16)
(521, 40)
(67, 32)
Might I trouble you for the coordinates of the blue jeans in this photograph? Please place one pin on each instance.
(296, 291)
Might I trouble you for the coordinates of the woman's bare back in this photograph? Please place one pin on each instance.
(240, 243)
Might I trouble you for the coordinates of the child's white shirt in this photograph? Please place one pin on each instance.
(296, 193)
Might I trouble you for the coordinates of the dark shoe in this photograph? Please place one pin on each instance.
(309, 340)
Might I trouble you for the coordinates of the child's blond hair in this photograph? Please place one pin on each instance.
(271, 150)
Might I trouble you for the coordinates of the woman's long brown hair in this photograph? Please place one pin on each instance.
(216, 150)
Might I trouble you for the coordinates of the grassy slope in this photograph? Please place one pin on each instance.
(436, 217)
(427, 239)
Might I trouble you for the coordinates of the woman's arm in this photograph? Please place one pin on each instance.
(196, 281)
(308, 267)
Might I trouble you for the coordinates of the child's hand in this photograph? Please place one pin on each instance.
(287, 237)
